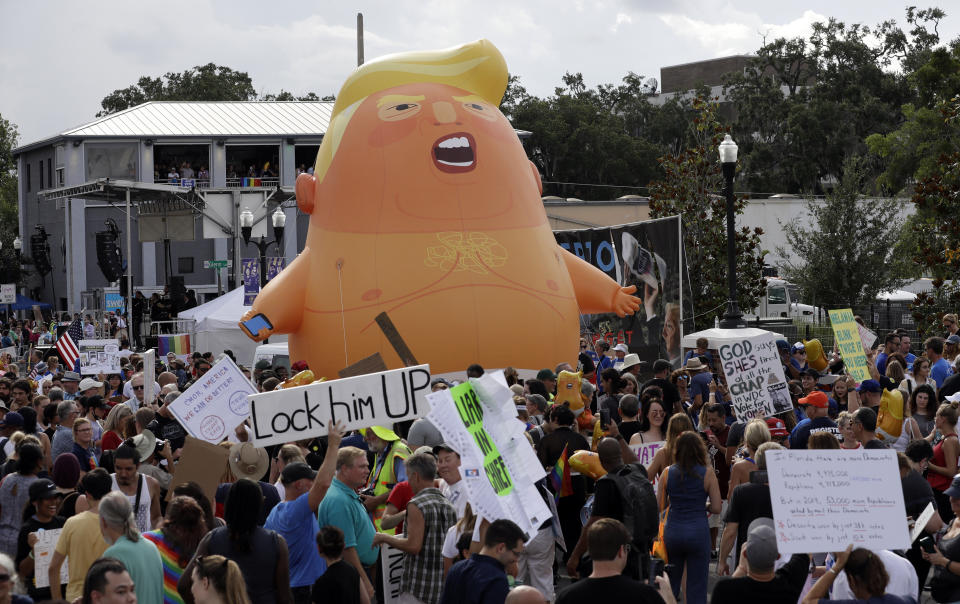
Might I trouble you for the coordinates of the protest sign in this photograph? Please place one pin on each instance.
(498, 465)
(202, 463)
(8, 293)
(867, 337)
(113, 303)
(373, 399)
(754, 375)
(646, 451)
(391, 567)
(99, 356)
(215, 404)
(824, 500)
(849, 344)
(921, 522)
(43, 553)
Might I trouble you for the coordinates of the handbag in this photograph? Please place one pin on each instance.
(659, 548)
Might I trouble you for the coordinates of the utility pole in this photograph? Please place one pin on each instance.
(359, 39)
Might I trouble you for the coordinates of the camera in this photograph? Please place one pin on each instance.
(159, 446)
(367, 492)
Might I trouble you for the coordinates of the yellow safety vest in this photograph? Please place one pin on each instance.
(386, 479)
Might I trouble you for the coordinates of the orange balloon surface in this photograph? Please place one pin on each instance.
(423, 205)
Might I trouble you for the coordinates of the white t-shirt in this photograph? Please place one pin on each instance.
(456, 494)
(903, 578)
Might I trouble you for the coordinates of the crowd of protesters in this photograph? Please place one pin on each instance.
(94, 458)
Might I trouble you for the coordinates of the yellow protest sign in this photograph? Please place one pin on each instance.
(849, 343)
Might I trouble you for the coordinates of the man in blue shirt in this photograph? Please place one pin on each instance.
(343, 509)
(891, 344)
(939, 367)
(482, 578)
(295, 518)
(905, 349)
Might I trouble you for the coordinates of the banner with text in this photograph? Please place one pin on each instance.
(824, 500)
(755, 377)
(215, 404)
(498, 465)
(373, 399)
(849, 343)
(391, 569)
(647, 255)
(250, 269)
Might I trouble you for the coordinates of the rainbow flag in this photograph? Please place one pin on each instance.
(560, 476)
(178, 344)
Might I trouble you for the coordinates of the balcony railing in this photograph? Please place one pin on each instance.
(239, 182)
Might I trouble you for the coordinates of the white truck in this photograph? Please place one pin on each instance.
(782, 300)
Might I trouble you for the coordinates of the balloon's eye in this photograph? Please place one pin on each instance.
(400, 111)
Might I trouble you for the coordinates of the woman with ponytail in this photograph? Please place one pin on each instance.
(217, 580)
(140, 556)
(943, 466)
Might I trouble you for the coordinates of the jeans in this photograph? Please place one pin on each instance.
(688, 543)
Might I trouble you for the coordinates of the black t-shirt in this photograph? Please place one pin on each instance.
(876, 444)
(951, 385)
(748, 502)
(340, 583)
(817, 424)
(916, 493)
(671, 395)
(32, 525)
(606, 500)
(609, 589)
(785, 587)
(628, 429)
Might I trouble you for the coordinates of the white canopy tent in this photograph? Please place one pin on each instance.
(217, 330)
(717, 336)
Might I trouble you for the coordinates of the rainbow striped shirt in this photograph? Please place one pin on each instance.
(171, 568)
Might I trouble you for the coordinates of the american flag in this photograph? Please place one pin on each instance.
(67, 345)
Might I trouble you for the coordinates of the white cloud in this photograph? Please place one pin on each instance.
(744, 35)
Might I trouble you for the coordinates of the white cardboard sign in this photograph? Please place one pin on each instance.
(99, 356)
(391, 566)
(824, 500)
(8, 293)
(755, 377)
(215, 404)
(374, 399)
(42, 554)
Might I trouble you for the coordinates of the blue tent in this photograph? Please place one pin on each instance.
(25, 303)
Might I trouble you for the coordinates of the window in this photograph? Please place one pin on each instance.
(59, 177)
(185, 265)
(41, 173)
(776, 295)
(49, 172)
(28, 177)
(111, 160)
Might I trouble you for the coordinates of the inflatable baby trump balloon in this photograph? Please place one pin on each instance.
(423, 205)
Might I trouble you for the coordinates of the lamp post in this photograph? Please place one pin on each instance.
(17, 247)
(733, 318)
(279, 220)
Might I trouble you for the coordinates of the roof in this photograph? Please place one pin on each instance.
(204, 119)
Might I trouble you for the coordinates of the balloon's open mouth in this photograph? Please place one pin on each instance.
(455, 153)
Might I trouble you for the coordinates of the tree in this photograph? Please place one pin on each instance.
(9, 213)
(843, 252)
(201, 83)
(692, 178)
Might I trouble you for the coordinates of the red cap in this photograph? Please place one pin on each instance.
(817, 399)
(777, 427)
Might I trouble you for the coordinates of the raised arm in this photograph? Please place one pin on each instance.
(328, 468)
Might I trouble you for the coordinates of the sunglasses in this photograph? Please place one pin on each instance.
(138, 387)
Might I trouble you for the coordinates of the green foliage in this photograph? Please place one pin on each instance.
(936, 227)
(692, 178)
(843, 252)
(9, 215)
(201, 83)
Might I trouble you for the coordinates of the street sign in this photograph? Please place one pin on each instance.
(8, 293)
(218, 264)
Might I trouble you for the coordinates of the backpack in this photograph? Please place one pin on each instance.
(640, 513)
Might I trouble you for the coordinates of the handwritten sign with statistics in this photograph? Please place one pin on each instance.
(755, 377)
(848, 342)
(824, 500)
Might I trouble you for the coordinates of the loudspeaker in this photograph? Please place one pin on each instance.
(108, 255)
(41, 253)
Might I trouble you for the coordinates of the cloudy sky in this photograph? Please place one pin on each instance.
(59, 58)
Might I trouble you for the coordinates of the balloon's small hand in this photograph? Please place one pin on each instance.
(649, 299)
(624, 302)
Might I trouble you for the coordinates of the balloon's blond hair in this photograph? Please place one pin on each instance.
(477, 67)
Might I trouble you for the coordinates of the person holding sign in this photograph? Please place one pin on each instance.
(867, 577)
(41, 514)
(295, 518)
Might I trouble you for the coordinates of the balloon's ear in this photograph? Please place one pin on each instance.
(536, 177)
(306, 190)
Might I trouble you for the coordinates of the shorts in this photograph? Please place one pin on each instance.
(716, 520)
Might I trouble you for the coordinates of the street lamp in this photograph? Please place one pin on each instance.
(733, 318)
(279, 220)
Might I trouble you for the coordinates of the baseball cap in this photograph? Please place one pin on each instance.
(761, 550)
(797, 347)
(293, 472)
(869, 386)
(783, 345)
(546, 374)
(442, 447)
(954, 489)
(817, 399)
(777, 427)
(71, 376)
(622, 348)
(953, 339)
(811, 372)
(41, 367)
(43, 488)
(88, 383)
